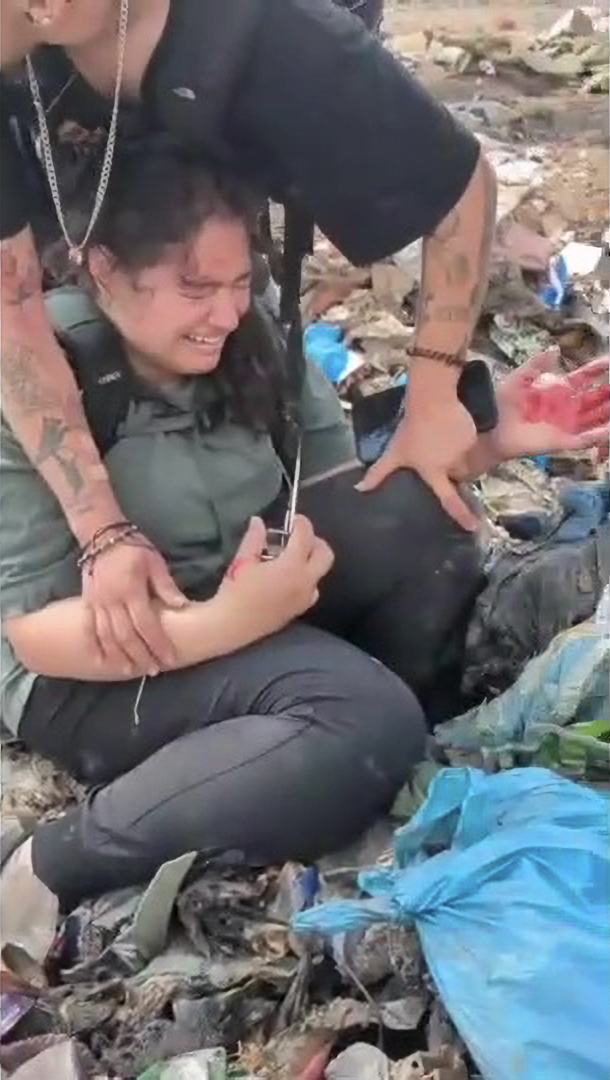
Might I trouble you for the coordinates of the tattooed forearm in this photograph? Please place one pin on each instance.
(455, 266)
(20, 282)
(23, 388)
(51, 426)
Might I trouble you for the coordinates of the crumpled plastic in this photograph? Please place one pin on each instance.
(557, 714)
(531, 596)
(507, 879)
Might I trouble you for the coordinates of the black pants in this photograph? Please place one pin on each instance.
(285, 750)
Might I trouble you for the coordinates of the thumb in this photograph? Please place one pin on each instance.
(377, 473)
(163, 586)
(253, 542)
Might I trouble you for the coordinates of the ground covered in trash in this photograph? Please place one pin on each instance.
(139, 978)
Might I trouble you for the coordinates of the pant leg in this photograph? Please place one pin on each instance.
(288, 749)
(405, 575)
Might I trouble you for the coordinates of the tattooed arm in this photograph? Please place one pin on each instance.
(41, 404)
(454, 280)
(40, 398)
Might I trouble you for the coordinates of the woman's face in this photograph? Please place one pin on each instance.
(176, 316)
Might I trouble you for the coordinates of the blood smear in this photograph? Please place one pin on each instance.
(551, 400)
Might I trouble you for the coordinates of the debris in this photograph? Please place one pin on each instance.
(531, 596)
(518, 339)
(393, 282)
(325, 345)
(522, 246)
(63, 1058)
(575, 21)
(514, 867)
(32, 786)
(583, 260)
(485, 114)
(598, 83)
(454, 57)
(360, 1061)
(202, 1065)
(556, 714)
(13, 1008)
(444, 1064)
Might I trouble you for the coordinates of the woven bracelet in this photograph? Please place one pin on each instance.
(451, 359)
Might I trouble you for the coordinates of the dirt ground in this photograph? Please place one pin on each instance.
(573, 127)
(406, 16)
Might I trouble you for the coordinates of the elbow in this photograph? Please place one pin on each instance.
(18, 633)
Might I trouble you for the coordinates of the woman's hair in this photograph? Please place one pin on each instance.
(160, 195)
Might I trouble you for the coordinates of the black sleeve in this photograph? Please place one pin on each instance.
(376, 160)
(13, 201)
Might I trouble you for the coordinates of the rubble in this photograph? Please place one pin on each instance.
(573, 51)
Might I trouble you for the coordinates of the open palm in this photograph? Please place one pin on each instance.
(516, 435)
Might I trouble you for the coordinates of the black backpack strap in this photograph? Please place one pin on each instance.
(298, 242)
(95, 353)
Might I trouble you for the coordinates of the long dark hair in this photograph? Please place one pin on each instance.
(159, 195)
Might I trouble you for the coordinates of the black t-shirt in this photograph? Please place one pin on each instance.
(299, 97)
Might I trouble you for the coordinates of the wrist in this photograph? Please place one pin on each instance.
(87, 520)
(430, 381)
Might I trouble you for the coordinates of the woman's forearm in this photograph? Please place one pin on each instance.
(40, 398)
(59, 640)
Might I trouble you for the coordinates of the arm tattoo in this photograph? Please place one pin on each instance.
(18, 283)
(51, 447)
(62, 420)
(454, 280)
(489, 227)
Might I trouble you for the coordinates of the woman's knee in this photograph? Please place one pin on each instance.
(391, 715)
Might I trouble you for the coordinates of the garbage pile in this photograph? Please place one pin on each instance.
(573, 52)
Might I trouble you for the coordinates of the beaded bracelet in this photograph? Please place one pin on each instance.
(97, 547)
(452, 359)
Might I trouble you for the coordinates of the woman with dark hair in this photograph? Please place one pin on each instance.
(270, 737)
(303, 100)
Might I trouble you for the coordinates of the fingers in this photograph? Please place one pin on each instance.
(595, 371)
(320, 561)
(302, 539)
(377, 473)
(452, 502)
(110, 649)
(139, 659)
(162, 584)
(586, 440)
(593, 408)
(146, 621)
(253, 543)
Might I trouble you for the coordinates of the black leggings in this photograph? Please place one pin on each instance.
(285, 750)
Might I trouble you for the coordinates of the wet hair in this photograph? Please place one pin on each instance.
(160, 195)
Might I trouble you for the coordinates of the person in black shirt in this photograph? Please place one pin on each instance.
(301, 98)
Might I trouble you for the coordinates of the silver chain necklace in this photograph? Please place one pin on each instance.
(75, 251)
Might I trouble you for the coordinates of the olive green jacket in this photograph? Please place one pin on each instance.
(190, 492)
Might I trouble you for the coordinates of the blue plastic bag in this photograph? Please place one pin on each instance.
(507, 879)
(325, 345)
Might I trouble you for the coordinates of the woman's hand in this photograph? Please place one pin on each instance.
(123, 591)
(518, 435)
(264, 596)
